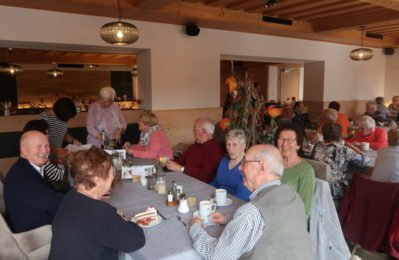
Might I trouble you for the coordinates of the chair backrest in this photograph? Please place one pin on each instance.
(9, 246)
(326, 237)
(368, 210)
(321, 169)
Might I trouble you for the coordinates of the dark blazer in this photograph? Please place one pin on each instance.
(30, 201)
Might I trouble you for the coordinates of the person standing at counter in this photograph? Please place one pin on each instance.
(105, 115)
(57, 118)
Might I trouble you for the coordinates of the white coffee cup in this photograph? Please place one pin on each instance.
(206, 207)
(365, 146)
(220, 197)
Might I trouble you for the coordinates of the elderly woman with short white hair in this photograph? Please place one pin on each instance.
(105, 116)
(368, 133)
(229, 175)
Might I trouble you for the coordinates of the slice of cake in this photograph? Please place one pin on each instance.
(145, 218)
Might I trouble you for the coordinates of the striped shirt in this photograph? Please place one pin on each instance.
(239, 236)
(53, 172)
(57, 129)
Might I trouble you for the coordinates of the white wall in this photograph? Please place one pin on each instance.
(185, 70)
(392, 77)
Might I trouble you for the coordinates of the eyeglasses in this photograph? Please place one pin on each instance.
(290, 141)
(244, 161)
(197, 129)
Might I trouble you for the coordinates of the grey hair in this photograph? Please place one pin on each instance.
(238, 134)
(107, 93)
(366, 121)
(207, 124)
(273, 158)
(331, 115)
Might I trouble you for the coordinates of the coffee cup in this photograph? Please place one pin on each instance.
(365, 146)
(220, 197)
(206, 207)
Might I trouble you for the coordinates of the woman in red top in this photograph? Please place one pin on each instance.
(376, 137)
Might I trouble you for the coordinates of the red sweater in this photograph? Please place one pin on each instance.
(377, 139)
(200, 161)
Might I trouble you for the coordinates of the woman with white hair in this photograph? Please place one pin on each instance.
(368, 133)
(229, 175)
(105, 115)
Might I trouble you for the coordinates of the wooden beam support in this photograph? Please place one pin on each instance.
(351, 22)
(153, 4)
(390, 4)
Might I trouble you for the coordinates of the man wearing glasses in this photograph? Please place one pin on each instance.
(272, 225)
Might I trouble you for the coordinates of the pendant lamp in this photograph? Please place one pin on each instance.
(119, 33)
(10, 67)
(54, 72)
(361, 53)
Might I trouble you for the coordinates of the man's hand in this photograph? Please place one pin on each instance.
(218, 218)
(197, 220)
(173, 166)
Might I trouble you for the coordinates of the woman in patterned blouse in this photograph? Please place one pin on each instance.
(338, 155)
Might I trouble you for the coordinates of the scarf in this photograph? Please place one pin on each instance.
(145, 137)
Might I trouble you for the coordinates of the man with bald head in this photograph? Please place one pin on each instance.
(30, 201)
(272, 225)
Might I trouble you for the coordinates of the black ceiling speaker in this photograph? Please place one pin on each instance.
(192, 29)
(388, 51)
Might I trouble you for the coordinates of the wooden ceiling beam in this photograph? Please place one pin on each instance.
(390, 4)
(351, 22)
(152, 4)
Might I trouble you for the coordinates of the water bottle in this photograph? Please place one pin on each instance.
(103, 137)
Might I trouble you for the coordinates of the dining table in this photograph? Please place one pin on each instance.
(170, 238)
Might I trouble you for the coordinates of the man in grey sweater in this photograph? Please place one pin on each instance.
(272, 225)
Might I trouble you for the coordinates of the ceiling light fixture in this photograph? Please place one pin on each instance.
(119, 33)
(270, 3)
(54, 72)
(361, 53)
(10, 67)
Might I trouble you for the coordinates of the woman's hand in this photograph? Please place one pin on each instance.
(120, 213)
(218, 218)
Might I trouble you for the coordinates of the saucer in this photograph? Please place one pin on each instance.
(228, 202)
(206, 224)
(154, 223)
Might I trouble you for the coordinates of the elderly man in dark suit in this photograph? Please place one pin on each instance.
(30, 200)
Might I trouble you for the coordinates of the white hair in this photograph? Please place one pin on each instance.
(273, 158)
(366, 122)
(237, 134)
(207, 124)
(107, 93)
